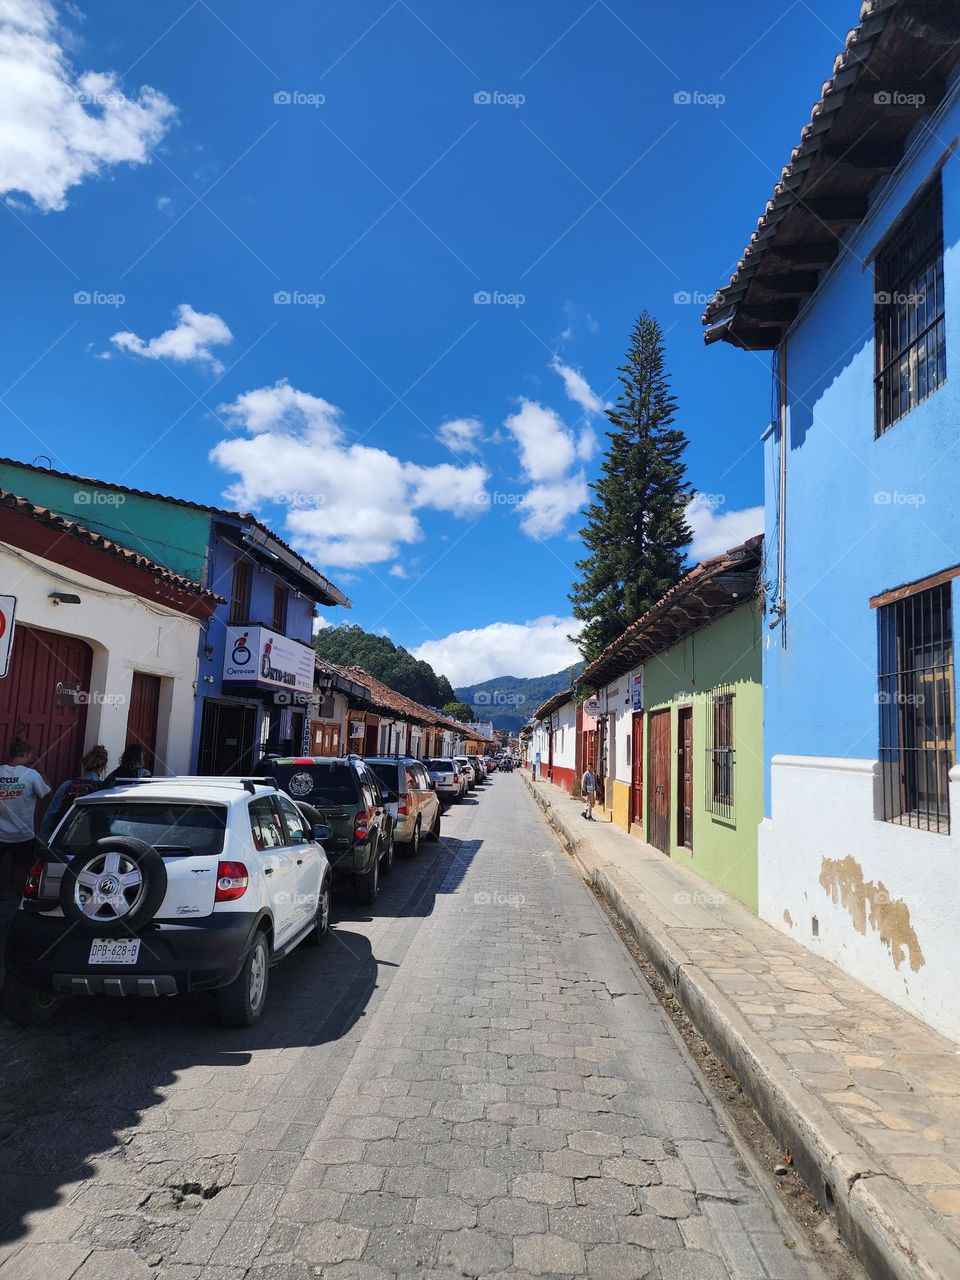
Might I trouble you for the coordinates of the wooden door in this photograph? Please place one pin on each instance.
(550, 756)
(636, 766)
(142, 718)
(659, 832)
(685, 777)
(38, 699)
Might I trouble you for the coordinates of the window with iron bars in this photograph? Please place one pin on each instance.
(720, 753)
(911, 359)
(916, 701)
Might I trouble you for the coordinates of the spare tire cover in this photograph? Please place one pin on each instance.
(114, 887)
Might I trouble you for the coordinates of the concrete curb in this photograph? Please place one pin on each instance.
(882, 1221)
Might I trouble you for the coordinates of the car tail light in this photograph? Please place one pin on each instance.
(31, 886)
(232, 881)
(405, 804)
(456, 778)
(361, 824)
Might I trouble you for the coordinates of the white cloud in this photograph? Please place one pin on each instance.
(190, 339)
(320, 623)
(717, 531)
(397, 571)
(547, 447)
(57, 127)
(546, 507)
(348, 505)
(461, 435)
(578, 389)
(535, 648)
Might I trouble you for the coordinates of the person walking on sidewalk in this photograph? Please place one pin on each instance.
(588, 787)
(21, 786)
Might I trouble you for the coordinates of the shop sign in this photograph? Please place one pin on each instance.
(636, 690)
(258, 656)
(8, 611)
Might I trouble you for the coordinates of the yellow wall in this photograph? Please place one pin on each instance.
(620, 804)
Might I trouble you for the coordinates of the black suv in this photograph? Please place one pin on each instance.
(349, 799)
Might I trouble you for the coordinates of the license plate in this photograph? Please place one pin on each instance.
(114, 950)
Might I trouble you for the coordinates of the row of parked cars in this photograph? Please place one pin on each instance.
(162, 886)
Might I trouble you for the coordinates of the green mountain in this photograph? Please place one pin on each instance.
(510, 701)
(351, 645)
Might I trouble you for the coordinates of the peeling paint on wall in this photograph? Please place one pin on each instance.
(843, 879)
(787, 918)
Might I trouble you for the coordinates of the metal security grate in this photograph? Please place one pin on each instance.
(720, 753)
(915, 696)
(908, 309)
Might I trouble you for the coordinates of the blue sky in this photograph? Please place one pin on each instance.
(247, 249)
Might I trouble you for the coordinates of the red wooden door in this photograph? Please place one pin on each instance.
(636, 815)
(660, 780)
(142, 718)
(35, 702)
(685, 777)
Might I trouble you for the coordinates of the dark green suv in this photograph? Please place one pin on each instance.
(348, 798)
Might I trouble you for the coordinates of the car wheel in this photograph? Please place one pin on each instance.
(28, 1006)
(113, 888)
(368, 884)
(242, 1002)
(434, 833)
(321, 925)
(386, 862)
(413, 848)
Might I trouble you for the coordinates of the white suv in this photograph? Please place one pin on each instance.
(169, 885)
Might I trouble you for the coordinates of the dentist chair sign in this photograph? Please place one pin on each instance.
(257, 656)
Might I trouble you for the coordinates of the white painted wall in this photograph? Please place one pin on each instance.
(126, 634)
(823, 809)
(616, 697)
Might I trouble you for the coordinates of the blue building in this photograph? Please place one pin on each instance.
(852, 281)
(255, 663)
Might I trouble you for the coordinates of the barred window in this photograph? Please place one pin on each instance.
(720, 753)
(916, 704)
(911, 359)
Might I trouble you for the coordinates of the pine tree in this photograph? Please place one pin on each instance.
(636, 533)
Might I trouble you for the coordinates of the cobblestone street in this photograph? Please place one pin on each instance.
(473, 1080)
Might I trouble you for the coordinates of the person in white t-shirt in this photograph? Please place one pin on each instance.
(21, 786)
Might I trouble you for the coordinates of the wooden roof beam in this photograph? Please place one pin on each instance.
(870, 156)
(820, 253)
(837, 211)
(790, 284)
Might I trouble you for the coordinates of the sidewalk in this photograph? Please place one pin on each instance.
(866, 1097)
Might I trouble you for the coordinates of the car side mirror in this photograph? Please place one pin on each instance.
(321, 833)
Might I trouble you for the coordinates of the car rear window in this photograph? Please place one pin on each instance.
(183, 828)
(440, 766)
(385, 771)
(328, 782)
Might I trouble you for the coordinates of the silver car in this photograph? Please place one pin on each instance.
(450, 783)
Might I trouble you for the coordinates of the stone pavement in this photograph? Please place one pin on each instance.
(866, 1096)
(473, 1080)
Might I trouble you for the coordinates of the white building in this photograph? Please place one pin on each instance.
(104, 644)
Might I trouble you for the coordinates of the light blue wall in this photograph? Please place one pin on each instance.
(844, 544)
(223, 554)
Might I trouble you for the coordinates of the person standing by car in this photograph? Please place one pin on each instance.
(131, 766)
(588, 786)
(94, 767)
(21, 786)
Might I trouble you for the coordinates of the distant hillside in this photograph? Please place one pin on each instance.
(389, 662)
(510, 701)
